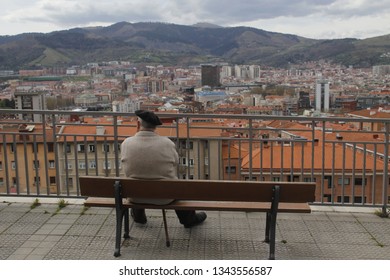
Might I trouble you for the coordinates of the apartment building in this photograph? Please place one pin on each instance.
(30, 98)
(27, 159)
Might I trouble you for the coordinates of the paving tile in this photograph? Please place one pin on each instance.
(77, 233)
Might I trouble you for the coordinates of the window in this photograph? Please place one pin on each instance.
(340, 200)
(68, 149)
(1, 165)
(276, 179)
(327, 197)
(183, 145)
(230, 169)
(52, 180)
(12, 148)
(346, 181)
(37, 181)
(186, 161)
(359, 181)
(1, 181)
(106, 148)
(50, 147)
(81, 148)
(81, 164)
(36, 164)
(106, 165)
(91, 148)
(13, 165)
(70, 165)
(92, 164)
(328, 180)
(358, 199)
(190, 145)
(52, 164)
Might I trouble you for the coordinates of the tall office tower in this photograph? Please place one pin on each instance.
(322, 96)
(30, 98)
(211, 75)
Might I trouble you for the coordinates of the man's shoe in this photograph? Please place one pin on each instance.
(138, 216)
(198, 219)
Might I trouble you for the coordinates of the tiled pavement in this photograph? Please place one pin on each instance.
(71, 233)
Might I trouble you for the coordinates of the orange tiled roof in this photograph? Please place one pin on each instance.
(88, 131)
(370, 113)
(12, 134)
(342, 157)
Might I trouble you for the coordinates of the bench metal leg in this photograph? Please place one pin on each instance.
(120, 214)
(118, 237)
(270, 231)
(126, 234)
(267, 222)
(272, 237)
(168, 242)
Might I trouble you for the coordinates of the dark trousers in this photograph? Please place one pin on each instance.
(185, 216)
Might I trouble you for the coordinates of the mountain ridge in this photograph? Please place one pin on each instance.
(173, 44)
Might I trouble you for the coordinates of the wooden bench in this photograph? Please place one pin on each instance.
(208, 195)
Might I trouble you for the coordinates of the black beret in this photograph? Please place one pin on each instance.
(148, 117)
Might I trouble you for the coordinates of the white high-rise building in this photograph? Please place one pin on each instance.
(322, 96)
(30, 98)
(247, 71)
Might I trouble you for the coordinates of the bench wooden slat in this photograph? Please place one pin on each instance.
(204, 205)
(198, 189)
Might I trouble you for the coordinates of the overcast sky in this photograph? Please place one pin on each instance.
(318, 19)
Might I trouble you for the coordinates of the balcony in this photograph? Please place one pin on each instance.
(346, 157)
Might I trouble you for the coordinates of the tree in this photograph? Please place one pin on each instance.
(7, 104)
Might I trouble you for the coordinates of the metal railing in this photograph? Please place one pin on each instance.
(346, 157)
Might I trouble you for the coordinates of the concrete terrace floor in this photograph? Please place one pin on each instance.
(72, 233)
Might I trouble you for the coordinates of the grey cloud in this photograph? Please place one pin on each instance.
(73, 13)
(220, 12)
(254, 10)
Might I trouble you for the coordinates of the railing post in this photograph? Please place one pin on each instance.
(116, 146)
(385, 171)
(250, 150)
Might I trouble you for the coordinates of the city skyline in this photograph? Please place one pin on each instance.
(322, 19)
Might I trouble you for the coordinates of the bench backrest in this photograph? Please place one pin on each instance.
(212, 190)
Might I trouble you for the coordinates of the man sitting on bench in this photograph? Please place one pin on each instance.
(147, 155)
